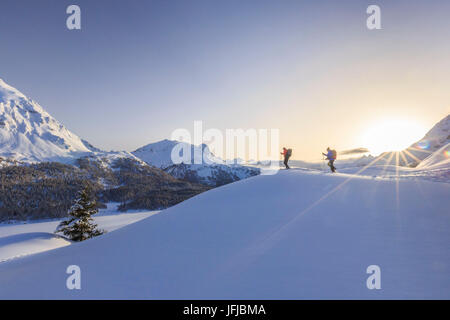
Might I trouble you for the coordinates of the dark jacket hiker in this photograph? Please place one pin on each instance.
(287, 154)
(331, 156)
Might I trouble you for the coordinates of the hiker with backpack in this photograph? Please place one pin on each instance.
(287, 154)
(331, 156)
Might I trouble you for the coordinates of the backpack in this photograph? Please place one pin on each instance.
(333, 154)
(289, 153)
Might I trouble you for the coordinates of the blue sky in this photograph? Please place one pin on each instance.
(140, 69)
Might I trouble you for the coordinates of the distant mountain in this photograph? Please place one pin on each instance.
(29, 133)
(435, 139)
(158, 154)
(209, 170)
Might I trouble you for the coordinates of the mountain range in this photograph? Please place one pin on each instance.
(30, 134)
(43, 164)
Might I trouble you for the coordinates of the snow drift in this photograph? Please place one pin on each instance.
(18, 245)
(21, 239)
(439, 158)
(298, 234)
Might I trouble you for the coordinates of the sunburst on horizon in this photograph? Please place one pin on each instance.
(392, 135)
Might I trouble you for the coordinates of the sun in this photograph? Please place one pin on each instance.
(392, 135)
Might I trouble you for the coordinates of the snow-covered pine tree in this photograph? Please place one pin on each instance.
(79, 225)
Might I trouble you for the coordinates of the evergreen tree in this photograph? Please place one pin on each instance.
(80, 225)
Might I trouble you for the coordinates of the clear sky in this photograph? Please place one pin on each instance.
(140, 69)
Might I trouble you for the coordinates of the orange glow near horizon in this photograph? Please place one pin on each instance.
(392, 135)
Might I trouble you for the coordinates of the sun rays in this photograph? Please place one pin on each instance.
(271, 238)
(392, 135)
(395, 158)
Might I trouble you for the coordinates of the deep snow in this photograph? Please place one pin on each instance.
(438, 159)
(20, 239)
(297, 234)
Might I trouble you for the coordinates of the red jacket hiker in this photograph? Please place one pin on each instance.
(286, 153)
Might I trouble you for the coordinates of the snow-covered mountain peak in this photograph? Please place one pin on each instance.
(29, 133)
(159, 154)
(9, 93)
(202, 167)
(437, 137)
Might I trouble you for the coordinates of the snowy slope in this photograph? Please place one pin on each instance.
(19, 245)
(29, 133)
(21, 239)
(296, 234)
(439, 158)
(435, 139)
